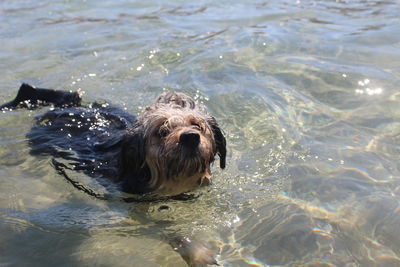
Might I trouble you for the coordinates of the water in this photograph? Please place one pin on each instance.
(306, 91)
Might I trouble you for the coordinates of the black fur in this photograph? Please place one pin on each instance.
(220, 142)
(105, 141)
(135, 173)
(29, 96)
(99, 139)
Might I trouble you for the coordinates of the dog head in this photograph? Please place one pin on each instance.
(179, 141)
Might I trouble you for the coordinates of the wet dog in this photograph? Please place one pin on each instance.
(166, 151)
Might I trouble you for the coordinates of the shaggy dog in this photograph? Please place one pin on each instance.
(166, 151)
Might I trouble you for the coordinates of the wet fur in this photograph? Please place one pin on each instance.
(143, 154)
(171, 167)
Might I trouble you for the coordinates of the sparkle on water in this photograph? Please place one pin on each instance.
(307, 95)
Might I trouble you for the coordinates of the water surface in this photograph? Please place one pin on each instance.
(306, 91)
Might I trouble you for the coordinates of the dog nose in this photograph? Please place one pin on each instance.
(189, 138)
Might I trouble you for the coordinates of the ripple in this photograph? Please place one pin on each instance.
(306, 91)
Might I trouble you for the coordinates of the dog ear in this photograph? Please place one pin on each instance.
(133, 145)
(135, 172)
(220, 141)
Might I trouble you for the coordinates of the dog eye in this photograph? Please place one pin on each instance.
(195, 124)
(199, 126)
(163, 132)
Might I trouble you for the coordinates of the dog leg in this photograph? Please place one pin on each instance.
(193, 252)
(30, 97)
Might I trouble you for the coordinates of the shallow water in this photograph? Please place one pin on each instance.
(306, 92)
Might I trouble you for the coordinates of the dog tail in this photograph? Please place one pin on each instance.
(30, 97)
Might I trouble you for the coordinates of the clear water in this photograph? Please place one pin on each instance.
(306, 91)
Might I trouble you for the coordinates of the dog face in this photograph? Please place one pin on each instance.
(180, 142)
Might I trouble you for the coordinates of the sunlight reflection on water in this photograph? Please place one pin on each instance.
(306, 93)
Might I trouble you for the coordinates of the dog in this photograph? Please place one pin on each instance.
(166, 151)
